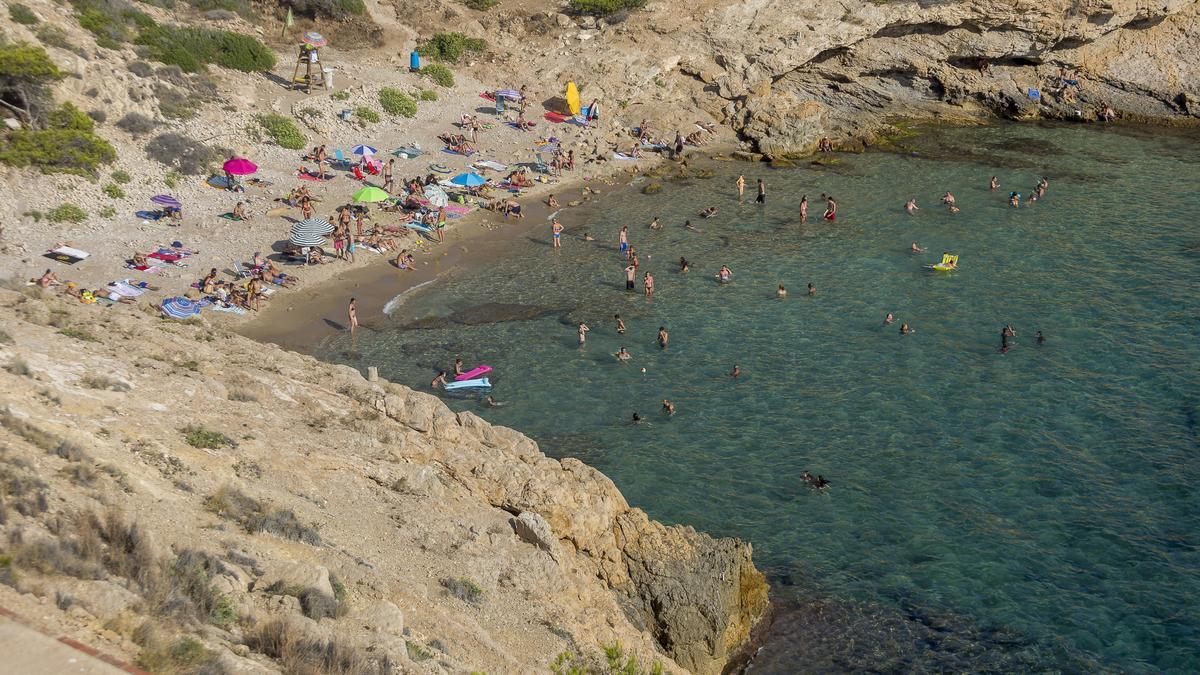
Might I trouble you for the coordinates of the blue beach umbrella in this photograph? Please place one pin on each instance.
(468, 180)
(180, 308)
(363, 150)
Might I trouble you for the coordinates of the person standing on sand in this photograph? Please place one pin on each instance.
(623, 240)
(352, 314)
(762, 192)
(388, 171)
(630, 271)
(648, 280)
(441, 224)
(556, 229)
(741, 186)
(583, 330)
(804, 209)
(320, 157)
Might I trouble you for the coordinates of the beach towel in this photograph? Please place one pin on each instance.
(456, 152)
(229, 216)
(148, 215)
(66, 254)
(489, 164)
(220, 182)
(557, 118)
(309, 176)
(457, 209)
(125, 289)
(488, 96)
(231, 309)
(165, 256)
(621, 155)
(152, 269)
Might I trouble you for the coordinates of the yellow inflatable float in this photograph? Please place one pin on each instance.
(572, 98)
(948, 263)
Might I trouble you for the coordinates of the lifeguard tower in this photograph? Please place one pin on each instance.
(309, 60)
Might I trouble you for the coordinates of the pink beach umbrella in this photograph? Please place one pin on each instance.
(314, 38)
(240, 166)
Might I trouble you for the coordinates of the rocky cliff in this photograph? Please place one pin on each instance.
(179, 496)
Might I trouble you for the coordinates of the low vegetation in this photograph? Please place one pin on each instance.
(366, 114)
(22, 14)
(114, 191)
(464, 589)
(427, 95)
(300, 653)
(100, 381)
(603, 7)
(121, 176)
(136, 124)
(233, 504)
(188, 156)
(199, 437)
(451, 47)
(481, 5)
(192, 48)
(441, 75)
(395, 102)
(67, 213)
(282, 130)
(333, 9)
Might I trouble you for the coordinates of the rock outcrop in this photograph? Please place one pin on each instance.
(292, 497)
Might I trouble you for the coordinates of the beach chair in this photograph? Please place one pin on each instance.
(358, 174)
(540, 165)
(239, 270)
(340, 159)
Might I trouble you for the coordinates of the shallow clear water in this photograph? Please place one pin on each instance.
(1035, 509)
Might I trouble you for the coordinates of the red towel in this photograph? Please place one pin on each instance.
(557, 118)
(309, 176)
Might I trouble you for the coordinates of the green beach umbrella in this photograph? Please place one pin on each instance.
(370, 194)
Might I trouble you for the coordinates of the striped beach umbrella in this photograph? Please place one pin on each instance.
(180, 308)
(310, 232)
(370, 194)
(363, 150)
(512, 94)
(166, 200)
(314, 38)
(436, 196)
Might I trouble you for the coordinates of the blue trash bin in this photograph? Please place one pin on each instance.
(414, 61)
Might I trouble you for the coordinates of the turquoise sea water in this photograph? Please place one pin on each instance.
(1030, 510)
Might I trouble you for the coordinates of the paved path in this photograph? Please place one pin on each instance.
(28, 651)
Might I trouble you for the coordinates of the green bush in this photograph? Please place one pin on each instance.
(113, 22)
(172, 179)
(440, 74)
(26, 72)
(451, 46)
(121, 176)
(427, 95)
(366, 114)
(22, 14)
(282, 130)
(191, 48)
(67, 145)
(66, 213)
(108, 212)
(191, 157)
(334, 9)
(340, 95)
(481, 5)
(113, 190)
(603, 7)
(199, 437)
(396, 102)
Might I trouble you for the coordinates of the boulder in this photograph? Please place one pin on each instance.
(533, 529)
(294, 576)
(383, 617)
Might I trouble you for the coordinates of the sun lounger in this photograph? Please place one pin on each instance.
(239, 270)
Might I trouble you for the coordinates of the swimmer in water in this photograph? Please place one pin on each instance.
(911, 206)
(583, 331)
(1014, 199)
(812, 290)
(493, 403)
(668, 407)
(654, 224)
(781, 292)
(948, 198)
(725, 275)
(905, 330)
(709, 212)
(620, 324)
(830, 209)
(736, 372)
(1041, 339)
(663, 337)
(637, 419)
(916, 249)
(623, 355)
(1033, 197)
(587, 236)
(804, 209)
(683, 264)
(687, 225)
(887, 320)
(439, 381)
(995, 183)
(458, 366)
(953, 209)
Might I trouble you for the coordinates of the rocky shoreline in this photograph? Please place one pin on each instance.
(299, 485)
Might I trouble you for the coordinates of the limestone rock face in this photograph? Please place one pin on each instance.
(533, 529)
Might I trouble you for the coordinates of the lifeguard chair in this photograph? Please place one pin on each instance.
(309, 59)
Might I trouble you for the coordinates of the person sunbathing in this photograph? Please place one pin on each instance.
(174, 213)
(112, 295)
(520, 179)
(139, 260)
(316, 256)
(239, 212)
(48, 279)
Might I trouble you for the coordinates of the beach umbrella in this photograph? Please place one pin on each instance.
(314, 38)
(370, 194)
(166, 200)
(318, 226)
(512, 94)
(468, 180)
(180, 308)
(363, 150)
(307, 239)
(239, 166)
(436, 195)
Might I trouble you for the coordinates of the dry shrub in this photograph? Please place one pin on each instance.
(301, 654)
